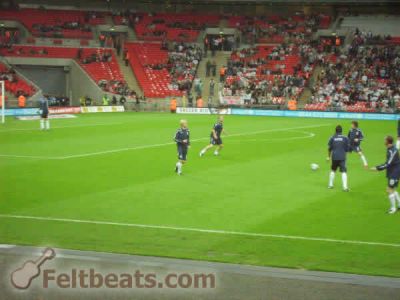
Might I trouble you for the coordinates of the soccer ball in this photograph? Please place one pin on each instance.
(314, 167)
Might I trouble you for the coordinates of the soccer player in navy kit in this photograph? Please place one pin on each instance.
(182, 139)
(356, 136)
(215, 138)
(398, 135)
(44, 114)
(392, 167)
(338, 147)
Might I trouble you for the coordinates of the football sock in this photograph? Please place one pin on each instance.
(344, 181)
(331, 178)
(397, 198)
(364, 160)
(47, 124)
(398, 144)
(41, 124)
(392, 199)
(179, 166)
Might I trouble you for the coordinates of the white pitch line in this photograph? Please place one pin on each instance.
(194, 140)
(307, 135)
(60, 127)
(158, 145)
(200, 230)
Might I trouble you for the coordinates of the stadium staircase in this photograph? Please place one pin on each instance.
(131, 34)
(130, 78)
(305, 96)
(221, 59)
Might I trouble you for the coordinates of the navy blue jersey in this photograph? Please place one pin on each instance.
(44, 106)
(392, 164)
(338, 146)
(355, 134)
(218, 127)
(181, 135)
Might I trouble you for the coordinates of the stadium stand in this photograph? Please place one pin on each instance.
(55, 23)
(278, 29)
(14, 84)
(99, 63)
(162, 73)
(166, 59)
(362, 78)
(272, 74)
(172, 27)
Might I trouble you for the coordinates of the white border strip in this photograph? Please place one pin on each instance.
(155, 145)
(199, 230)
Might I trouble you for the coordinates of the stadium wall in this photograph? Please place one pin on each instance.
(51, 80)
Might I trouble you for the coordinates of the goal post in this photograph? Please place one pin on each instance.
(3, 102)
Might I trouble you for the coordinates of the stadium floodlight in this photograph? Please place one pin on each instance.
(3, 102)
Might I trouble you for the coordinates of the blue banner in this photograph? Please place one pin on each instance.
(21, 111)
(315, 114)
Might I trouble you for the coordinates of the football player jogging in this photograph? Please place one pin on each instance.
(398, 135)
(392, 167)
(356, 136)
(338, 147)
(44, 114)
(215, 138)
(182, 139)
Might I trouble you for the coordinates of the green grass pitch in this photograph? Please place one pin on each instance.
(119, 168)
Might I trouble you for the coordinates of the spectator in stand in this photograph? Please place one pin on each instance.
(212, 87)
(363, 77)
(102, 40)
(208, 68)
(126, 58)
(222, 72)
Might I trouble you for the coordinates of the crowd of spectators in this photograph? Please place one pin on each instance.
(264, 74)
(59, 26)
(363, 74)
(57, 30)
(103, 56)
(277, 28)
(7, 74)
(14, 84)
(9, 37)
(116, 87)
(182, 64)
(368, 38)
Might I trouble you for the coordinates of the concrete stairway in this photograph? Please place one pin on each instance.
(129, 76)
(221, 60)
(131, 35)
(305, 97)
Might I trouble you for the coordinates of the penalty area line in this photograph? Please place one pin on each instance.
(200, 230)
